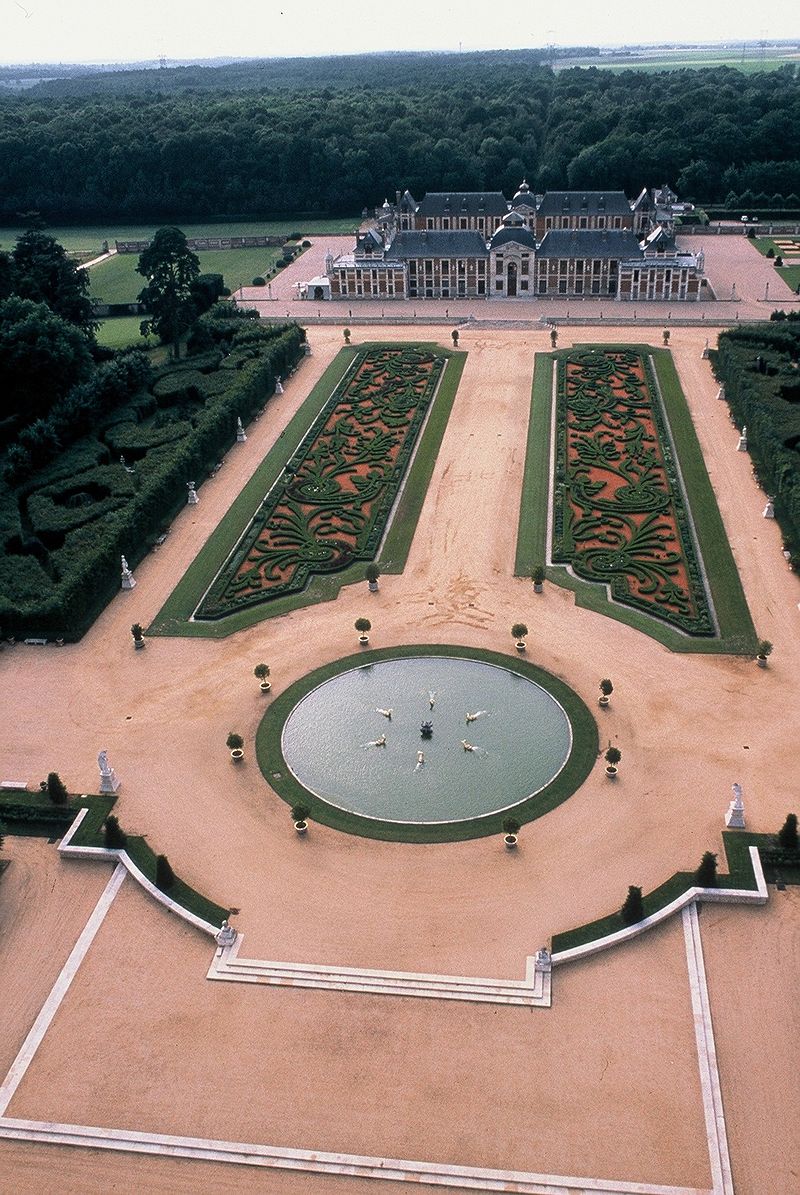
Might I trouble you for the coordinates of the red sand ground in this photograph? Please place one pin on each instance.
(437, 1080)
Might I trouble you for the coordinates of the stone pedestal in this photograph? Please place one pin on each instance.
(543, 961)
(278, 386)
(734, 818)
(241, 435)
(721, 393)
(769, 509)
(226, 935)
(742, 445)
(191, 496)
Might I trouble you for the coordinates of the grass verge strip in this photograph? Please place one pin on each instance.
(532, 531)
(740, 875)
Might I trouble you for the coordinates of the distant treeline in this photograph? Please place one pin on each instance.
(330, 136)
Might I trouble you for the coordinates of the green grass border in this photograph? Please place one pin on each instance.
(90, 833)
(740, 875)
(737, 634)
(582, 757)
(173, 617)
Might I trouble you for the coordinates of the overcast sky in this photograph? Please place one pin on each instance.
(118, 31)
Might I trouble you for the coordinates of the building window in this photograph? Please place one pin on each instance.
(523, 284)
(481, 287)
(463, 222)
(548, 223)
(583, 222)
(481, 267)
(618, 221)
(578, 286)
(542, 286)
(446, 222)
(562, 266)
(562, 286)
(601, 221)
(565, 221)
(525, 267)
(498, 284)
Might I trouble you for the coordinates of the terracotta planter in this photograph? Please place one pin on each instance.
(520, 646)
(603, 702)
(265, 686)
(237, 754)
(301, 827)
(611, 771)
(510, 842)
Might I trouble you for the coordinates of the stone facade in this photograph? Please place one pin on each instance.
(563, 244)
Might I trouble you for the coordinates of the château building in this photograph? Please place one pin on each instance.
(563, 244)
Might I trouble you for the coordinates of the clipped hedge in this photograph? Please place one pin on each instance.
(82, 573)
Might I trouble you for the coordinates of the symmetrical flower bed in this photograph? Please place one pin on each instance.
(338, 490)
(620, 515)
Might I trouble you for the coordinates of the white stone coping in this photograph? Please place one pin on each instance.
(15, 785)
(121, 856)
(754, 896)
(463, 1178)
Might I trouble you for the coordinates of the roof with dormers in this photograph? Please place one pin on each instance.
(438, 243)
(583, 244)
(513, 234)
(524, 197)
(463, 203)
(584, 203)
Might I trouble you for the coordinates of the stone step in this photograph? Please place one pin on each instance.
(532, 991)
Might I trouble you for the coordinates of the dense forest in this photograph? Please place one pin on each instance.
(332, 135)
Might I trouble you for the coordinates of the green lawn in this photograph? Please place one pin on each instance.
(116, 280)
(789, 273)
(123, 331)
(89, 238)
(702, 60)
(737, 634)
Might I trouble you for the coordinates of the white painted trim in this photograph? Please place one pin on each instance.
(121, 856)
(463, 1178)
(59, 989)
(753, 896)
(716, 1133)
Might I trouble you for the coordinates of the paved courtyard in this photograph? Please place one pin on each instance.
(600, 1092)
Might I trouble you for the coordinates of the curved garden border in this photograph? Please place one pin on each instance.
(582, 757)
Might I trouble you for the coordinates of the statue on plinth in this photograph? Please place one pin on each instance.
(544, 960)
(734, 818)
(108, 777)
(226, 935)
(191, 497)
(742, 445)
(769, 510)
(128, 579)
(278, 385)
(241, 434)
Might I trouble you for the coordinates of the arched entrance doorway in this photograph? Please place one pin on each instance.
(511, 280)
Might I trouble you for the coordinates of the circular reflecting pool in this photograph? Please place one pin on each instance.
(497, 738)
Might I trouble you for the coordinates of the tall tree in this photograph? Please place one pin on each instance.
(41, 357)
(43, 273)
(170, 268)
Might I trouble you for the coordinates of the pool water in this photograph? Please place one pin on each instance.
(521, 738)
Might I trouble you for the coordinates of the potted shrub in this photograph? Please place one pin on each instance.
(763, 650)
(519, 631)
(114, 837)
(363, 625)
(510, 832)
(706, 874)
(56, 789)
(553, 337)
(538, 578)
(137, 630)
(787, 835)
(454, 335)
(612, 758)
(665, 336)
(606, 689)
(346, 334)
(261, 672)
(299, 817)
(235, 744)
(372, 573)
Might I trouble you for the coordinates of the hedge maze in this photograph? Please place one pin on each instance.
(117, 486)
(332, 504)
(620, 516)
